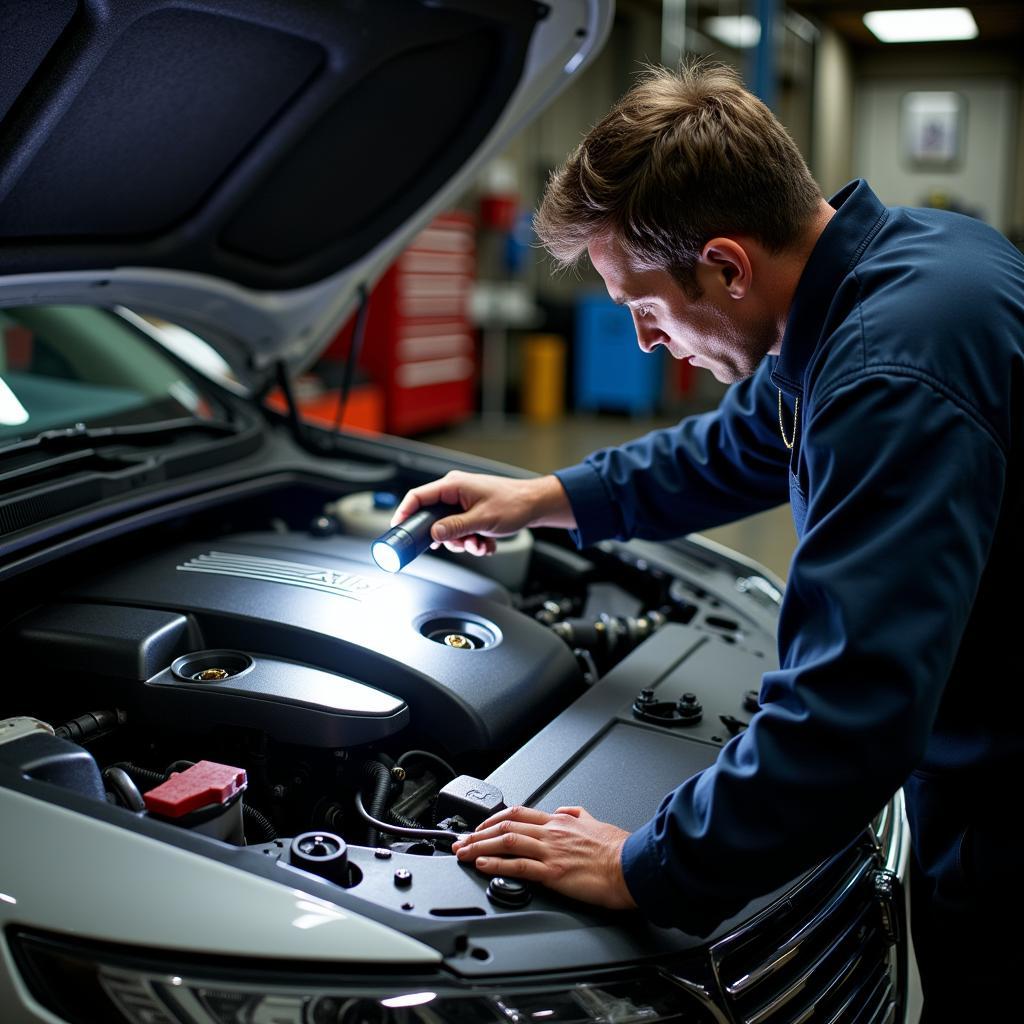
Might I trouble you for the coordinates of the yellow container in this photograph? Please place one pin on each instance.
(543, 386)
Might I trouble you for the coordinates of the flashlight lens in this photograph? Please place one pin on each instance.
(386, 556)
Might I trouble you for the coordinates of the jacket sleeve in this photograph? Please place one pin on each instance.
(905, 486)
(705, 471)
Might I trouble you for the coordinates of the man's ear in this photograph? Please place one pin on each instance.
(726, 262)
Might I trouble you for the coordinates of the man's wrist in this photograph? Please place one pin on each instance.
(551, 503)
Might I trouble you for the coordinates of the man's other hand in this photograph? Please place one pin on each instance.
(569, 851)
(493, 506)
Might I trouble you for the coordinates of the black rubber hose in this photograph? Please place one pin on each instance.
(378, 778)
(142, 777)
(402, 821)
(385, 813)
(91, 725)
(428, 756)
(251, 816)
(410, 833)
(124, 788)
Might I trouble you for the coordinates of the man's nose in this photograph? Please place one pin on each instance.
(648, 337)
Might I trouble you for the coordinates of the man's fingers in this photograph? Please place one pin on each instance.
(576, 812)
(508, 844)
(444, 490)
(507, 828)
(477, 545)
(515, 867)
(518, 813)
(414, 500)
(452, 527)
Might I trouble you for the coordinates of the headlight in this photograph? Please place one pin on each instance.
(86, 985)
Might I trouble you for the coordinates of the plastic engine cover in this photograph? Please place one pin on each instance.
(322, 602)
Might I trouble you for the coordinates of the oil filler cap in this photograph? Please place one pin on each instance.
(508, 892)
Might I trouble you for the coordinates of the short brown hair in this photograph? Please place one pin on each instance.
(681, 158)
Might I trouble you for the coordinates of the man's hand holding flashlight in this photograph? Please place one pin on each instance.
(492, 506)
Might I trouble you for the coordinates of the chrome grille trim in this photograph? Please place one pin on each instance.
(882, 826)
(802, 983)
(880, 1005)
(880, 984)
(791, 946)
(820, 954)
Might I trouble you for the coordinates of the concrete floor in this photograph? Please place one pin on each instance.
(769, 537)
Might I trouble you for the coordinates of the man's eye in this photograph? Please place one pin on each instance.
(642, 310)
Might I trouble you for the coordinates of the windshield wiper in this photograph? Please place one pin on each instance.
(79, 437)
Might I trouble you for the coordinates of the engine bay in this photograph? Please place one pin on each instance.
(340, 705)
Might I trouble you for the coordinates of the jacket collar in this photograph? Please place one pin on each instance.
(859, 215)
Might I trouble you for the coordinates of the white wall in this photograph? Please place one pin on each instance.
(982, 179)
(831, 149)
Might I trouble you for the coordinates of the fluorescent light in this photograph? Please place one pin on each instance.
(741, 31)
(927, 25)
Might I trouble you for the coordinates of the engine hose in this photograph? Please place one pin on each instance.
(609, 634)
(402, 820)
(142, 776)
(379, 779)
(251, 816)
(90, 726)
(149, 778)
(409, 833)
(118, 780)
(428, 756)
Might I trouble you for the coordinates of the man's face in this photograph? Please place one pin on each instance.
(717, 331)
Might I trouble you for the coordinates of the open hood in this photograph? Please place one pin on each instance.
(240, 167)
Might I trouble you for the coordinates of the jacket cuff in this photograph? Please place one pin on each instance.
(647, 884)
(595, 514)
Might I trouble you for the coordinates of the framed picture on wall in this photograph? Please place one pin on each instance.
(933, 128)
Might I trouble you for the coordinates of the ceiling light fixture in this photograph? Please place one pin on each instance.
(740, 31)
(927, 25)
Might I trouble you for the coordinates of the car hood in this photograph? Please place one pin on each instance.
(241, 167)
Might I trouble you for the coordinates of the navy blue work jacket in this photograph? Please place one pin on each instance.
(898, 629)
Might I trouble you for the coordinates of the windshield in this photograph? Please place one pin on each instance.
(64, 365)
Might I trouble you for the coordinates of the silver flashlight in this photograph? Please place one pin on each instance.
(394, 550)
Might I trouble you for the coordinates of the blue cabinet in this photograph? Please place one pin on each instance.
(611, 371)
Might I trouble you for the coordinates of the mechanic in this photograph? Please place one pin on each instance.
(877, 372)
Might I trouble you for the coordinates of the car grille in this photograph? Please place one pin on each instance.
(818, 957)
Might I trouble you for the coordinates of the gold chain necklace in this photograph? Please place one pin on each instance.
(782, 430)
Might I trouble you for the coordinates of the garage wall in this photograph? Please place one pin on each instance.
(983, 178)
(832, 145)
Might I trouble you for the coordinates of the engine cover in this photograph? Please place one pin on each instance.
(323, 604)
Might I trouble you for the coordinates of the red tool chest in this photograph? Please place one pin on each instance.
(420, 346)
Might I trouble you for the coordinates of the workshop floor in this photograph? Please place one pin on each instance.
(768, 538)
